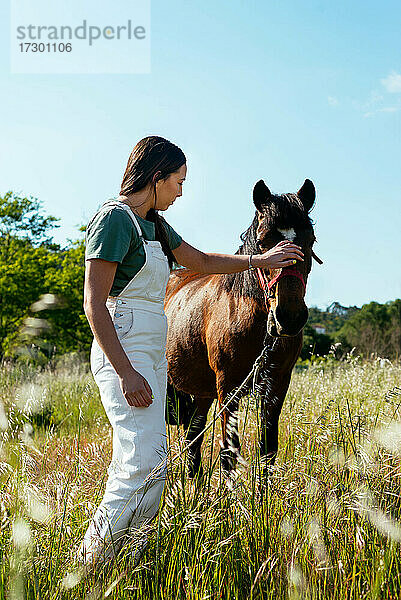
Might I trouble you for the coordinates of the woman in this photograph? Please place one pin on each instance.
(130, 250)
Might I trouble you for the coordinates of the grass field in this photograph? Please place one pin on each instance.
(327, 524)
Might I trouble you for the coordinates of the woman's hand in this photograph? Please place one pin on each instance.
(284, 254)
(136, 389)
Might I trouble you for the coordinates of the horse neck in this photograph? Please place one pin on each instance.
(245, 283)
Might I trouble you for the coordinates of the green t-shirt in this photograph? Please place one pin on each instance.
(112, 235)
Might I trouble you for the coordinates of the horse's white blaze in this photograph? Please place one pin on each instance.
(288, 234)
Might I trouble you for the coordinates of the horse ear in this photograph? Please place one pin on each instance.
(261, 194)
(307, 194)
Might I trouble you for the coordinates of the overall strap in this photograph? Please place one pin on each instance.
(131, 214)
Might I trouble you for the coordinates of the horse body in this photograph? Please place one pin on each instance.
(214, 336)
(217, 328)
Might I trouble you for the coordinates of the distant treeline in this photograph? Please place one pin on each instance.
(373, 330)
(41, 297)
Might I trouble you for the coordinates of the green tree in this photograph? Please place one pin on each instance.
(314, 343)
(332, 319)
(70, 330)
(374, 330)
(41, 284)
(22, 217)
(26, 254)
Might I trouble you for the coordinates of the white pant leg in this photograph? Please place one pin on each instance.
(137, 471)
(138, 539)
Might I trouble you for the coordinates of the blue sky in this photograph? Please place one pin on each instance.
(274, 90)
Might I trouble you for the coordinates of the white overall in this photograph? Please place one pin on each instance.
(137, 471)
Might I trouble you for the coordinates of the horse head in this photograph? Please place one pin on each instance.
(286, 217)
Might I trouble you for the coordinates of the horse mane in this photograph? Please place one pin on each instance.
(244, 284)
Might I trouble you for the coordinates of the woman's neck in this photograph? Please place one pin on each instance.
(139, 202)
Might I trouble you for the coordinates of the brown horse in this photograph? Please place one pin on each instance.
(217, 326)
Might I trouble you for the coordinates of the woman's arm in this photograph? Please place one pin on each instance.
(99, 276)
(282, 255)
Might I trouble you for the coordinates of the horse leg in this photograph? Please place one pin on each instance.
(194, 424)
(182, 409)
(230, 445)
(272, 403)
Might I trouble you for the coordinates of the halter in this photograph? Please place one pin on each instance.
(268, 286)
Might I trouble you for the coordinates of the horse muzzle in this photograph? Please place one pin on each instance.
(283, 323)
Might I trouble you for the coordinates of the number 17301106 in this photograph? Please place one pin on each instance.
(42, 47)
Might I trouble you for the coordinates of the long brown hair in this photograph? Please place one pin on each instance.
(151, 155)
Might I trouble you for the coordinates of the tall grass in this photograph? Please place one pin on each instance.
(325, 524)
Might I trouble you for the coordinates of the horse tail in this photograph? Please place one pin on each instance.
(180, 406)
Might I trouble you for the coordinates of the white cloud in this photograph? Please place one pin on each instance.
(376, 102)
(384, 109)
(392, 83)
(379, 101)
(332, 100)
